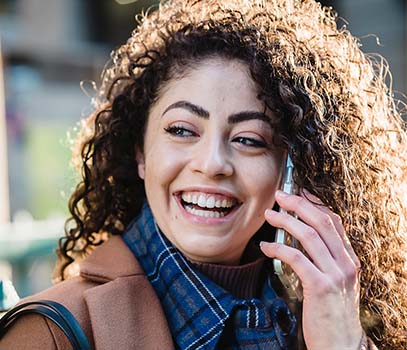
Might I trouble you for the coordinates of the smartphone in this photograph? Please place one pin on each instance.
(287, 276)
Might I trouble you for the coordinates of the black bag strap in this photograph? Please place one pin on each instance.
(54, 311)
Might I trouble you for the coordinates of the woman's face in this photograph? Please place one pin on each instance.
(209, 167)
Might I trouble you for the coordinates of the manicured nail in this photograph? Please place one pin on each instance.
(263, 243)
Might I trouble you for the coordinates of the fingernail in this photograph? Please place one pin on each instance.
(263, 243)
(269, 212)
(281, 194)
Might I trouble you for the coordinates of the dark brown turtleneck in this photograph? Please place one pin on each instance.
(244, 281)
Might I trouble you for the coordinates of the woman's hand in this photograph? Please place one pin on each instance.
(329, 275)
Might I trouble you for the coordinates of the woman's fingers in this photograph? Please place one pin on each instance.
(328, 271)
(307, 236)
(336, 219)
(317, 219)
(301, 265)
(320, 233)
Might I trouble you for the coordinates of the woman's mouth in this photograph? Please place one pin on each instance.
(207, 205)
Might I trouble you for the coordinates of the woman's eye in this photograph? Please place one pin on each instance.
(179, 131)
(248, 141)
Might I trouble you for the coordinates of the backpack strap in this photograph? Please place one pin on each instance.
(54, 311)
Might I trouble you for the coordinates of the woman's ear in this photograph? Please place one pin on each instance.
(140, 164)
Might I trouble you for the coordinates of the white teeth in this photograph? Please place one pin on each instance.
(205, 213)
(210, 202)
(205, 201)
(187, 197)
(202, 201)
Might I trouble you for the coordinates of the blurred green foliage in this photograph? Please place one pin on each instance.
(51, 177)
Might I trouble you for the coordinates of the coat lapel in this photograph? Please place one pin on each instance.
(124, 310)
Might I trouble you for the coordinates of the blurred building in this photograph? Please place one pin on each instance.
(382, 28)
(49, 47)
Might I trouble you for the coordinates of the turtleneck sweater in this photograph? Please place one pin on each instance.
(244, 281)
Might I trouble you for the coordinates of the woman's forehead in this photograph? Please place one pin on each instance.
(212, 83)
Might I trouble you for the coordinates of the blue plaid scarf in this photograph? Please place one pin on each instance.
(201, 314)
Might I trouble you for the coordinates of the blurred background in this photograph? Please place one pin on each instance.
(47, 48)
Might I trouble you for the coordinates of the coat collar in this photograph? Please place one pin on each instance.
(111, 260)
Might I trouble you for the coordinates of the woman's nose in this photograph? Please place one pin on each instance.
(212, 159)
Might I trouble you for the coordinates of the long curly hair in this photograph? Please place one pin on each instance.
(331, 103)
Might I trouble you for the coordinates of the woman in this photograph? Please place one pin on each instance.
(181, 163)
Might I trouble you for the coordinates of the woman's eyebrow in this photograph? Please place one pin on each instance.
(247, 115)
(232, 119)
(199, 111)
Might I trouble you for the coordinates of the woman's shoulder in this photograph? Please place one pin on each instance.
(107, 263)
(105, 291)
(33, 331)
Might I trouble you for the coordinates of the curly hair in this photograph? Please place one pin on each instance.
(331, 102)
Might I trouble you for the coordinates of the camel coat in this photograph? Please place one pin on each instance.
(113, 301)
(111, 298)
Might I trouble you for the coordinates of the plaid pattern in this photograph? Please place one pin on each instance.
(200, 314)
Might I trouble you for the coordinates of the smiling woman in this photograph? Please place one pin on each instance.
(208, 142)
(170, 242)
